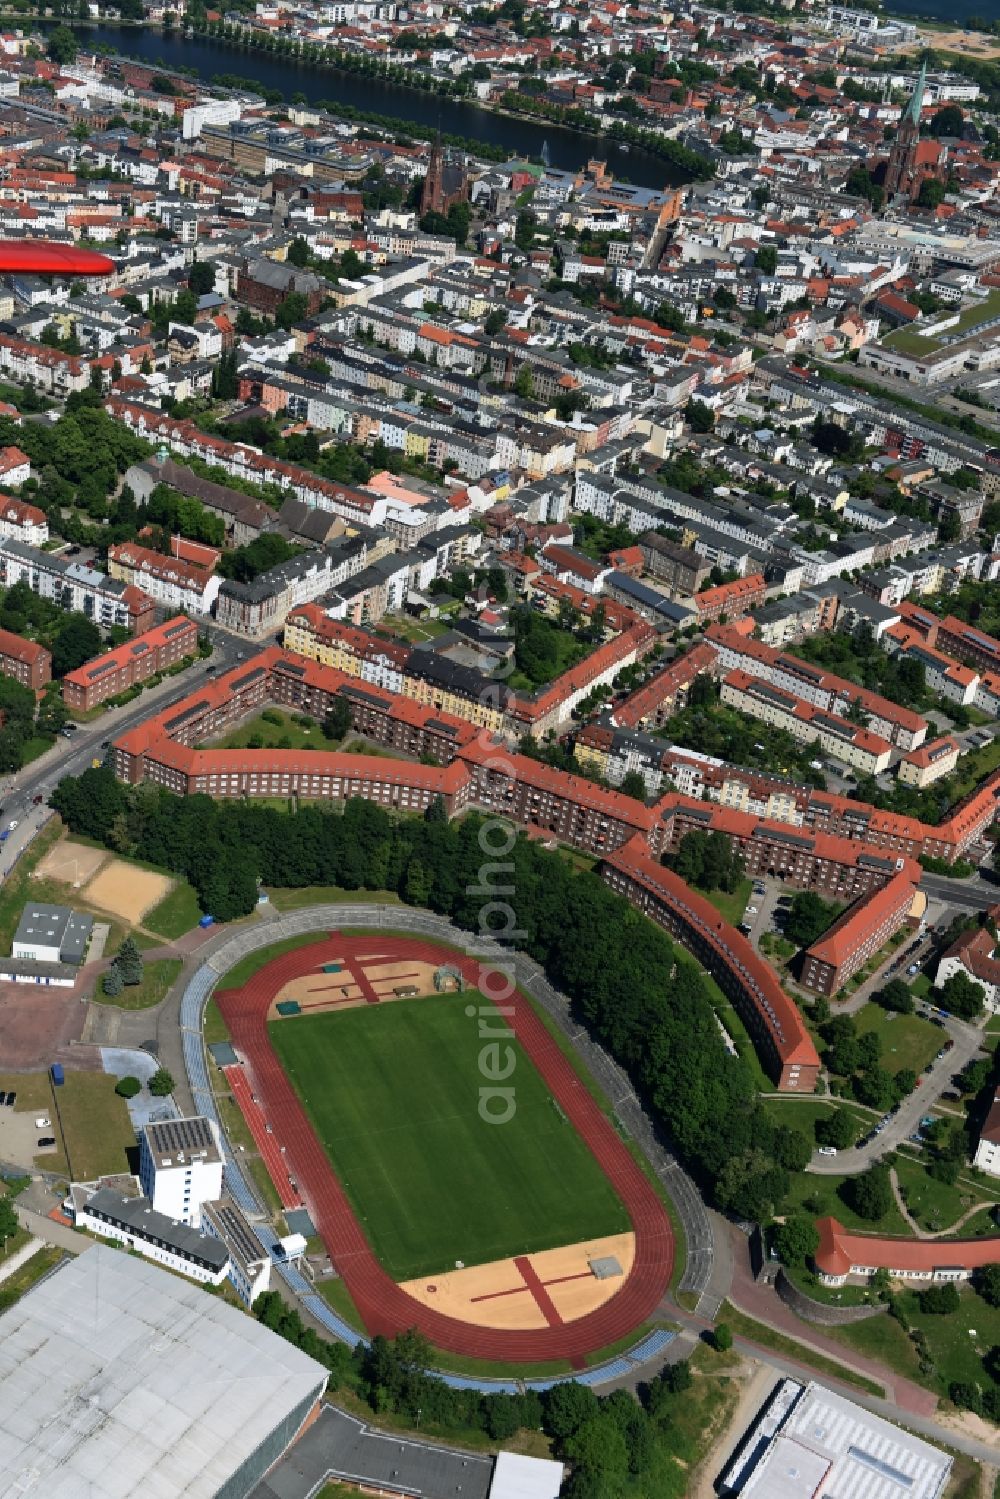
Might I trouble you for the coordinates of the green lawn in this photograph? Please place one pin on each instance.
(286, 734)
(818, 1196)
(934, 1204)
(156, 980)
(732, 907)
(907, 1040)
(957, 1341)
(95, 1126)
(176, 913)
(758, 1332)
(394, 1093)
(255, 961)
(329, 895)
(802, 1113)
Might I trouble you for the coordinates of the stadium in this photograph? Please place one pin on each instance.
(463, 1178)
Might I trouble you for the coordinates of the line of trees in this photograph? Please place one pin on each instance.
(611, 1442)
(647, 1005)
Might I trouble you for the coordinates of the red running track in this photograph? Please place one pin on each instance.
(383, 1305)
(269, 1146)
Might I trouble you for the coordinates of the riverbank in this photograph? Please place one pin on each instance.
(377, 98)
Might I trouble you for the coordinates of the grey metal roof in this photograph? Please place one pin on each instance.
(137, 1216)
(338, 1446)
(119, 1380)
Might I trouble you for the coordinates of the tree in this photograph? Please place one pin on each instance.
(112, 982)
(808, 918)
(161, 1084)
(722, 1336)
(568, 1407)
(62, 46)
(796, 1240)
(337, 723)
(958, 994)
(940, 1300)
(766, 259)
(895, 995)
(699, 417)
(791, 1148)
(8, 1220)
(931, 193)
(495, 320)
(437, 811)
(634, 784)
(839, 1129)
(987, 1283)
(948, 121)
(298, 252)
(524, 383)
(870, 1195)
(293, 309)
(77, 641)
(201, 278)
(128, 1087)
(128, 961)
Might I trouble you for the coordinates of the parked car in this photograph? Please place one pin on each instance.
(43, 1122)
(827, 1150)
(45, 1141)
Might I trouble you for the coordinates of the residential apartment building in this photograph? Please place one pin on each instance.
(774, 1021)
(923, 766)
(174, 583)
(129, 664)
(20, 521)
(838, 737)
(857, 935)
(74, 585)
(24, 660)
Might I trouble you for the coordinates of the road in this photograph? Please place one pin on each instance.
(937, 1077)
(974, 894)
(71, 756)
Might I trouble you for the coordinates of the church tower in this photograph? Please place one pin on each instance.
(432, 196)
(901, 167)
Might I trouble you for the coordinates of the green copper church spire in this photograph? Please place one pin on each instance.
(916, 104)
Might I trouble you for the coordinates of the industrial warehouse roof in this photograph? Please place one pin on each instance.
(120, 1380)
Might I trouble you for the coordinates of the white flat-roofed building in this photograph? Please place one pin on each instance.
(518, 1477)
(180, 1167)
(249, 1263)
(119, 1379)
(812, 1441)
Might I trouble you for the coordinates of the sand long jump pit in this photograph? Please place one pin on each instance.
(531, 1290)
(126, 891)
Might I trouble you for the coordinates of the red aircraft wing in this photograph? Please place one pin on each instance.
(36, 257)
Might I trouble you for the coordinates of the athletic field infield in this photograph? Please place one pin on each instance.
(393, 1092)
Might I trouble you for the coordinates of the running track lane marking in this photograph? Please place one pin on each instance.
(384, 1307)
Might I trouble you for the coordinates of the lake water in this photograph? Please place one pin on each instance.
(566, 149)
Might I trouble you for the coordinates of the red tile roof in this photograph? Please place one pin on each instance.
(839, 1250)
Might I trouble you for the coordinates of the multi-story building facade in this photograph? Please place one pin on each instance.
(127, 665)
(865, 752)
(180, 1166)
(74, 585)
(25, 660)
(172, 582)
(857, 935)
(778, 1030)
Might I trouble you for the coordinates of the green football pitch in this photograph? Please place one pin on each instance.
(393, 1092)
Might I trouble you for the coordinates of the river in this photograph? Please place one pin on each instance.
(567, 149)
